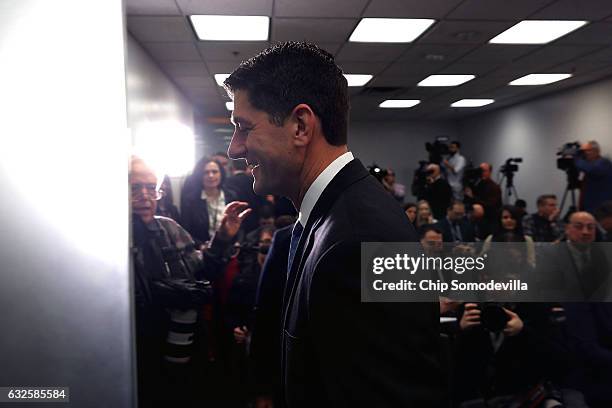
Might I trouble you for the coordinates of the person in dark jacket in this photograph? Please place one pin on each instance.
(204, 198)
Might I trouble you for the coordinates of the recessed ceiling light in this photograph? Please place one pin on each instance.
(390, 30)
(219, 78)
(539, 79)
(231, 28)
(445, 80)
(357, 79)
(229, 106)
(536, 31)
(399, 103)
(472, 103)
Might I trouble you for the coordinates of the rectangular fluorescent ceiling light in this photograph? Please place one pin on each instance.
(231, 28)
(229, 106)
(390, 30)
(399, 103)
(219, 78)
(472, 103)
(445, 80)
(536, 31)
(539, 79)
(357, 79)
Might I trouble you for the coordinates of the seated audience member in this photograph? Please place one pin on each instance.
(454, 227)
(488, 193)
(603, 214)
(165, 205)
(437, 191)
(597, 180)
(510, 230)
(164, 252)
(576, 269)
(397, 190)
(204, 199)
(505, 354)
(589, 328)
(521, 206)
(481, 227)
(411, 212)
(544, 225)
(265, 339)
(424, 216)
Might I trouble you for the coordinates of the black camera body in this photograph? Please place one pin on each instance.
(437, 149)
(511, 165)
(493, 317)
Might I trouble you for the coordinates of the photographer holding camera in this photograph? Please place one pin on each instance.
(486, 192)
(437, 191)
(597, 176)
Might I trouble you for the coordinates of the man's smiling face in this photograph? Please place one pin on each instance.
(265, 146)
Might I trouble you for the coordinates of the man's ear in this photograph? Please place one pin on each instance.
(305, 123)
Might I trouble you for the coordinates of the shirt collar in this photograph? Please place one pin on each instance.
(316, 188)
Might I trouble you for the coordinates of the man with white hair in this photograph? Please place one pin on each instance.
(167, 296)
(597, 176)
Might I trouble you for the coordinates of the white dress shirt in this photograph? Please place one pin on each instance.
(316, 188)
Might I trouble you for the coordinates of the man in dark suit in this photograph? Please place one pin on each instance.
(577, 269)
(454, 226)
(291, 116)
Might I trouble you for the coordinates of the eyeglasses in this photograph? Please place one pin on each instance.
(581, 226)
(151, 189)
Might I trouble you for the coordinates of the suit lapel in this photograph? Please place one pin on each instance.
(351, 173)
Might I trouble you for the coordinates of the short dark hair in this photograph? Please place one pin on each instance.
(408, 205)
(289, 73)
(429, 227)
(545, 197)
(454, 203)
(456, 142)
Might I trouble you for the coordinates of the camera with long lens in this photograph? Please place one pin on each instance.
(493, 317)
(419, 180)
(510, 166)
(471, 175)
(437, 149)
(378, 172)
(566, 154)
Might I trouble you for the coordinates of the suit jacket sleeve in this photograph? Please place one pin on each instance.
(371, 354)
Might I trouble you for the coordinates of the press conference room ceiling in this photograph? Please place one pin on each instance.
(457, 43)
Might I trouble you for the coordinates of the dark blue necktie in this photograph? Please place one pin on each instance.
(295, 239)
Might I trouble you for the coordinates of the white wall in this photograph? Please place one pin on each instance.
(535, 130)
(64, 250)
(152, 100)
(399, 145)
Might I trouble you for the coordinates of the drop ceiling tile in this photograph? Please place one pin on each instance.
(370, 52)
(149, 29)
(185, 68)
(604, 55)
(395, 81)
(225, 7)
(594, 33)
(414, 68)
(496, 9)
(319, 8)
(432, 52)
(222, 67)
(498, 53)
(173, 51)
(579, 67)
(326, 30)
(229, 50)
(474, 68)
(194, 83)
(410, 8)
(591, 10)
(464, 32)
(360, 67)
(555, 54)
(152, 7)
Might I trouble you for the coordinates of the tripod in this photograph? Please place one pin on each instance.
(573, 184)
(509, 187)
